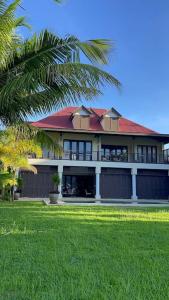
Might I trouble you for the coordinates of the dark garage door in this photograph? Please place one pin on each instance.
(40, 184)
(116, 183)
(152, 184)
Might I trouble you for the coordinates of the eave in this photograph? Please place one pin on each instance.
(161, 137)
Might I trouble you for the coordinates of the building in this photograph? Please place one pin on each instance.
(105, 156)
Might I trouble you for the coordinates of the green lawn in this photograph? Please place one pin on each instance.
(83, 253)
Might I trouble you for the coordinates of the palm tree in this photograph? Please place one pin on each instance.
(14, 151)
(44, 72)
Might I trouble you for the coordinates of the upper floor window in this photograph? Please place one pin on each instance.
(147, 154)
(114, 153)
(77, 150)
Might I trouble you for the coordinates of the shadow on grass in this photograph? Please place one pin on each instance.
(105, 214)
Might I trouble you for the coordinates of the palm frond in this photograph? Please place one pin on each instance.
(8, 25)
(7, 178)
(15, 148)
(28, 167)
(48, 48)
(45, 73)
(40, 71)
(96, 51)
(25, 131)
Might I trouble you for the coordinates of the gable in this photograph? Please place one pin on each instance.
(82, 111)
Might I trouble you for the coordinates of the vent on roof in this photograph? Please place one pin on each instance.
(81, 118)
(110, 120)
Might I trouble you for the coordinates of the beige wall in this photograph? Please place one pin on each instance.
(97, 140)
(119, 141)
(131, 142)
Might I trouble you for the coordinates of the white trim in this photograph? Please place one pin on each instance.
(95, 164)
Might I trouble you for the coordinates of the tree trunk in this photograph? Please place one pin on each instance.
(12, 193)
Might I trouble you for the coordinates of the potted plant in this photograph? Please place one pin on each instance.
(53, 196)
(19, 185)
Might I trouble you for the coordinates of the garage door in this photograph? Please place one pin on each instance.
(116, 183)
(152, 184)
(40, 184)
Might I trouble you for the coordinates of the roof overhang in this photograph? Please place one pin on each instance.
(158, 136)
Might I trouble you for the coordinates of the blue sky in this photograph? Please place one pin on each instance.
(140, 31)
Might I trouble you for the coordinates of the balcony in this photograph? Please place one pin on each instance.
(98, 156)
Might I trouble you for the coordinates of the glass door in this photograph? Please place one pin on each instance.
(74, 150)
(81, 150)
(88, 151)
(67, 152)
(147, 154)
(77, 150)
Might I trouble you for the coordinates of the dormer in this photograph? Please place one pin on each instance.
(110, 120)
(81, 118)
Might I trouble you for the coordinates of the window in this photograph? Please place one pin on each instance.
(147, 154)
(114, 153)
(77, 150)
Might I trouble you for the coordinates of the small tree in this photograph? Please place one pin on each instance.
(56, 181)
(7, 182)
(14, 153)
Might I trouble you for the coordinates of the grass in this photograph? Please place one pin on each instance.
(83, 253)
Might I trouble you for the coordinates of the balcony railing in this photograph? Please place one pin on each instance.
(98, 156)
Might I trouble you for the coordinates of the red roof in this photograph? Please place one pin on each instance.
(62, 120)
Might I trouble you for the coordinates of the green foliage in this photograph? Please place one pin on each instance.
(9, 40)
(7, 179)
(25, 131)
(14, 150)
(56, 180)
(7, 182)
(19, 183)
(45, 73)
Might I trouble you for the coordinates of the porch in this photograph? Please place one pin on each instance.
(99, 182)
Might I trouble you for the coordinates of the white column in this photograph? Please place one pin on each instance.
(97, 172)
(60, 173)
(134, 185)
